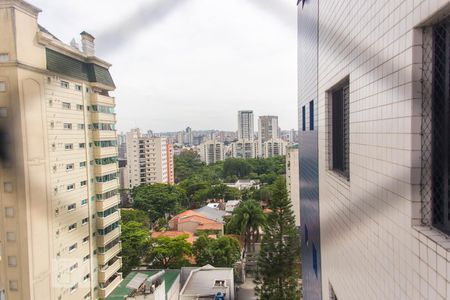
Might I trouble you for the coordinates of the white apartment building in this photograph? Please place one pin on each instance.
(273, 147)
(267, 130)
(374, 143)
(292, 181)
(246, 129)
(59, 217)
(211, 152)
(244, 149)
(149, 160)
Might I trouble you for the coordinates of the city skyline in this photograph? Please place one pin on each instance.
(253, 58)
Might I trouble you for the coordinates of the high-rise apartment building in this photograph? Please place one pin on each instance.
(272, 148)
(211, 151)
(244, 149)
(170, 163)
(189, 137)
(374, 130)
(59, 217)
(149, 160)
(267, 130)
(245, 125)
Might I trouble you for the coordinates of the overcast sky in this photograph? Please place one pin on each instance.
(179, 63)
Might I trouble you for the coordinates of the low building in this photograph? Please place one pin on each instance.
(242, 184)
(195, 222)
(148, 285)
(213, 213)
(207, 282)
(230, 205)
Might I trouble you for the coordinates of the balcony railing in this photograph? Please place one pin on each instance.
(104, 134)
(103, 258)
(102, 240)
(100, 170)
(103, 222)
(100, 152)
(102, 205)
(101, 187)
(109, 286)
(100, 99)
(106, 272)
(98, 117)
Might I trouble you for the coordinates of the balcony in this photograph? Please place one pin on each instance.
(103, 258)
(99, 117)
(109, 286)
(100, 99)
(107, 271)
(100, 170)
(102, 187)
(102, 240)
(105, 204)
(100, 152)
(104, 134)
(103, 222)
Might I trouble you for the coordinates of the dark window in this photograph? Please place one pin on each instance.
(306, 236)
(311, 115)
(332, 293)
(440, 106)
(314, 258)
(340, 129)
(303, 118)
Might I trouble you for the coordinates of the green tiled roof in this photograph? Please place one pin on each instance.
(66, 65)
(122, 291)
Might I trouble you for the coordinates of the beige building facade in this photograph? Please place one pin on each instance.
(59, 218)
(244, 149)
(273, 147)
(211, 151)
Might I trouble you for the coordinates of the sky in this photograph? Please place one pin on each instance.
(179, 63)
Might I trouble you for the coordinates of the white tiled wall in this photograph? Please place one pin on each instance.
(371, 246)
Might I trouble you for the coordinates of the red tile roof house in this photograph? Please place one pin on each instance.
(191, 221)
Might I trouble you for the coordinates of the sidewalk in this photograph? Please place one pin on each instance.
(247, 290)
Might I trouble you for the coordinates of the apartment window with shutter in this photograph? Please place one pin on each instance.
(303, 118)
(340, 133)
(66, 105)
(64, 84)
(311, 115)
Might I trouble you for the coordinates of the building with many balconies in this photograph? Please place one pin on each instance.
(59, 218)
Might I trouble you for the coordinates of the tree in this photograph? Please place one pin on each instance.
(169, 253)
(135, 241)
(136, 215)
(221, 252)
(159, 199)
(278, 261)
(246, 220)
(186, 164)
(236, 166)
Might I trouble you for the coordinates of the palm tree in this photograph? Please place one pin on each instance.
(247, 218)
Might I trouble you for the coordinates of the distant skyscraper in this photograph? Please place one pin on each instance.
(267, 130)
(245, 125)
(189, 137)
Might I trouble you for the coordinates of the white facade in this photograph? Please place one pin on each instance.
(211, 152)
(273, 147)
(244, 149)
(267, 130)
(292, 181)
(149, 160)
(245, 125)
(373, 243)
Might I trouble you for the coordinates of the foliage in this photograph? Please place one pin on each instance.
(135, 242)
(159, 199)
(221, 252)
(169, 253)
(279, 258)
(186, 164)
(238, 167)
(136, 215)
(246, 220)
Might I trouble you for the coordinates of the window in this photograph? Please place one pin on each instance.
(107, 195)
(106, 178)
(73, 247)
(306, 236)
(73, 267)
(106, 160)
(3, 112)
(72, 227)
(82, 164)
(66, 105)
(77, 87)
(82, 145)
(74, 288)
(12, 261)
(80, 126)
(86, 277)
(103, 144)
(84, 221)
(71, 207)
(218, 283)
(2, 86)
(13, 285)
(9, 212)
(103, 109)
(8, 187)
(71, 187)
(83, 183)
(303, 118)
(4, 57)
(79, 107)
(85, 239)
(314, 258)
(84, 202)
(104, 126)
(436, 126)
(340, 129)
(64, 84)
(10, 236)
(86, 257)
(67, 125)
(332, 293)
(311, 115)
(68, 146)
(69, 167)
(108, 229)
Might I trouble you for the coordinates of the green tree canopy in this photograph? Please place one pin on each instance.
(136, 215)
(186, 164)
(238, 167)
(169, 253)
(279, 258)
(221, 252)
(159, 199)
(135, 242)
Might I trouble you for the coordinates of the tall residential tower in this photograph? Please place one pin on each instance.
(245, 125)
(267, 130)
